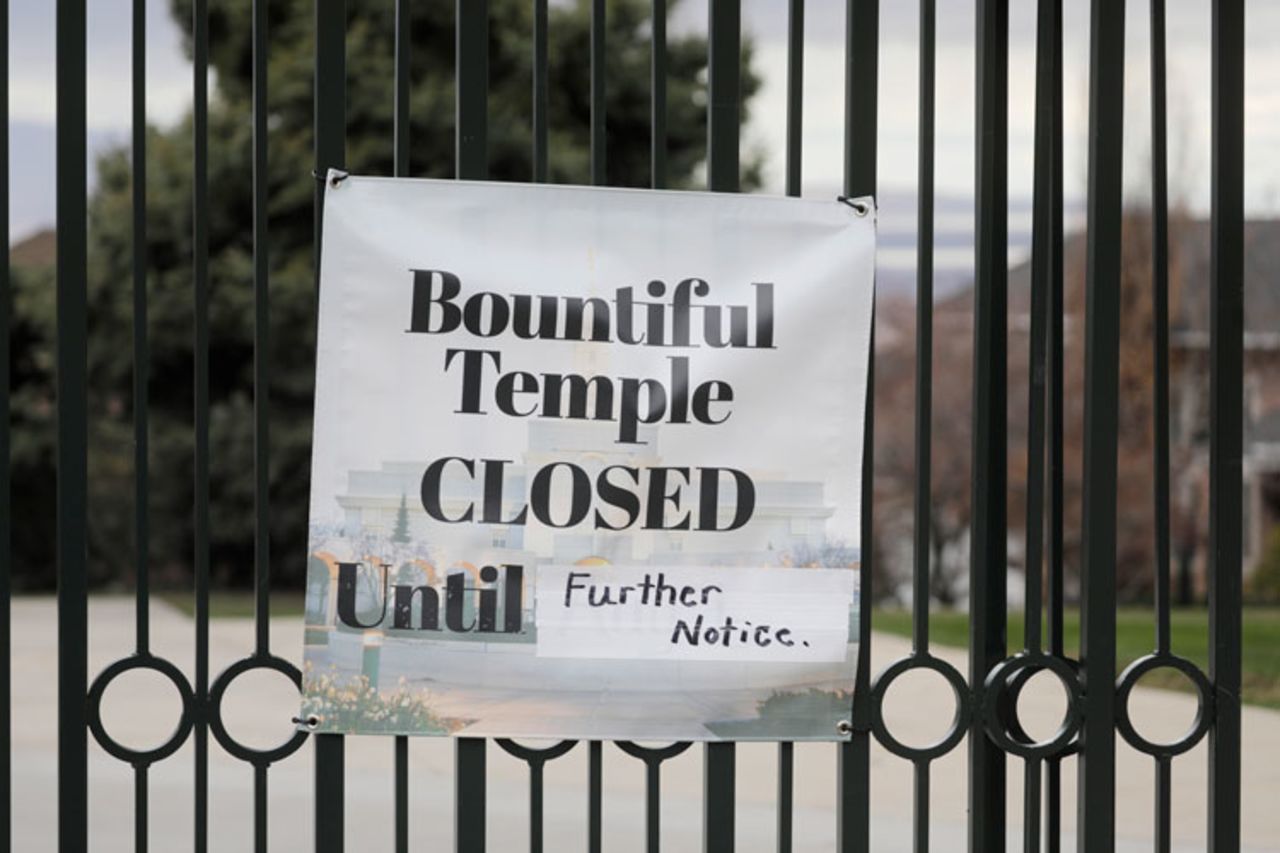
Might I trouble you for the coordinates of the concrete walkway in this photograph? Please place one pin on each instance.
(258, 707)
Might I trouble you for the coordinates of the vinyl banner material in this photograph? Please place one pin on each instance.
(587, 462)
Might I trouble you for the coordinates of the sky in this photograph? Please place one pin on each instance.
(33, 80)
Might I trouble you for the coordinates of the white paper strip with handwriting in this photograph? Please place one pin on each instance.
(686, 613)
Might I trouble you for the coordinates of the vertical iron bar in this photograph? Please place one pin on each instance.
(141, 509)
(724, 84)
(469, 795)
(653, 805)
(599, 175)
(1164, 775)
(924, 389)
(72, 430)
(920, 808)
(1053, 805)
(1031, 806)
(139, 809)
(795, 93)
(1042, 264)
(595, 782)
(540, 91)
(861, 88)
(402, 793)
(400, 168)
(473, 164)
(535, 806)
(329, 793)
(260, 807)
(261, 339)
(786, 794)
(6, 762)
(724, 92)
(1054, 417)
(718, 766)
(138, 163)
(400, 118)
(330, 152)
(1097, 783)
(658, 98)
(724, 46)
(330, 103)
(200, 343)
(988, 561)
(473, 89)
(924, 333)
(1226, 401)
(1160, 307)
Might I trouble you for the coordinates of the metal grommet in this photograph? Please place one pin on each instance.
(310, 722)
(336, 178)
(860, 207)
(844, 727)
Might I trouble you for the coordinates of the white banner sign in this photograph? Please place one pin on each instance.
(587, 462)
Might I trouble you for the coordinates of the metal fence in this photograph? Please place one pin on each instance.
(986, 697)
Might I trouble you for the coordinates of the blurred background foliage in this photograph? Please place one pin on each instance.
(370, 55)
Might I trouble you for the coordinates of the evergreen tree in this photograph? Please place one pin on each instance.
(400, 534)
(370, 53)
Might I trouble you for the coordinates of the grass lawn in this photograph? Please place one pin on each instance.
(1135, 637)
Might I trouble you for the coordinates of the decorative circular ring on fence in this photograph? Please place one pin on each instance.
(536, 756)
(99, 689)
(1000, 712)
(1204, 709)
(219, 729)
(649, 754)
(959, 722)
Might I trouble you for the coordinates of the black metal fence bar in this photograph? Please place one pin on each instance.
(1096, 796)
(200, 345)
(1226, 400)
(595, 796)
(861, 87)
(795, 113)
(1051, 112)
(658, 98)
(330, 147)
(141, 358)
(72, 429)
(6, 740)
(596, 143)
(261, 390)
(1160, 342)
(539, 91)
(795, 94)
(598, 121)
(400, 157)
(473, 163)
(724, 105)
(920, 568)
(1041, 271)
(987, 560)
